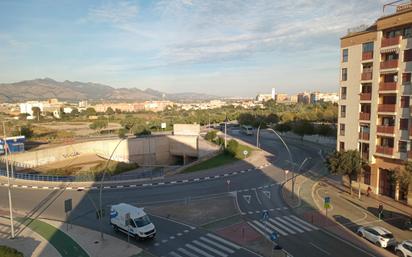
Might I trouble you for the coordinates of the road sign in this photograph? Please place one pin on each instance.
(228, 181)
(67, 205)
(265, 215)
(274, 236)
(326, 203)
(286, 171)
(245, 153)
(163, 125)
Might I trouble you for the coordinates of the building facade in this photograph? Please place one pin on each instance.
(374, 106)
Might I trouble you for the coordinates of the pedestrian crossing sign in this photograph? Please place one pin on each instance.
(326, 203)
(265, 215)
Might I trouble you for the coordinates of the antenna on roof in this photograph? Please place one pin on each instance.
(390, 4)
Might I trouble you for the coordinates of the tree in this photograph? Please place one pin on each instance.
(325, 130)
(404, 176)
(90, 111)
(140, 130)
(99, 124)
(36, 112)
(211, 135)
(26, 131)
(283, 127)
(302, 128)
(346, 163)
(246, 119)
(232, 147)
(109, 111)
(272, 118)
(122, 133)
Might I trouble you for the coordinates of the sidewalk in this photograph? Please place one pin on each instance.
(27, 242)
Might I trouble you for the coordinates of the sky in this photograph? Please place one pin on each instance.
(219, 47)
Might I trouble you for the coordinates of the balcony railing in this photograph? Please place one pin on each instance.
(365, 96)
(384, 150)
(364, 116)
(385, 129)
(389, 64)
(367, 55)
(390, 41)
(385, 86)
(364, 136)
(366, 75)
(386, 107)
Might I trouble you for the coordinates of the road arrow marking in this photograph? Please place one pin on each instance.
(247, 198)
(267, 193)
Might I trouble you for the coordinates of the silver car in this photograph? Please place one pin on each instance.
(378, 235)
(404, 249)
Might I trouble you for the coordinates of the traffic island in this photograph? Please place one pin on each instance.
(195, 211)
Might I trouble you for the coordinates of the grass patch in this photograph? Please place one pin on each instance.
(6, 251)
(63, 243)
(234, 152)
(218, 160)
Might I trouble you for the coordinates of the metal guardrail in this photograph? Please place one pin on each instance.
(85, 178)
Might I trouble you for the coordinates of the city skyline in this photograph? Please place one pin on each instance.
(179, 46)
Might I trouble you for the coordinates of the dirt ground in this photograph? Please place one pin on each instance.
(80, 163)
(197, 212)
(79, 128)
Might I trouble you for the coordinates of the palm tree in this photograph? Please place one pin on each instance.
(346, 163)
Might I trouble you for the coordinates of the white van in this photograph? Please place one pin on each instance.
(124, 215)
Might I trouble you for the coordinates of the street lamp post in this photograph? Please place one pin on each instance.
(101, 188)
(6, 148)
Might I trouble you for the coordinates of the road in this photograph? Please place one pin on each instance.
(255, 192)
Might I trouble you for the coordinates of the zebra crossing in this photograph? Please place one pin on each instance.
(283, 225)
(208, 245)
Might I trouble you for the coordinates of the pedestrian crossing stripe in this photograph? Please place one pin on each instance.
(208, 245)
(284, 225)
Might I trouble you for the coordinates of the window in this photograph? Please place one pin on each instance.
(406, 78)
(404, 101)
(345, 55)
(341, 146)
(342, 129)
(367, 47)
(344, 74)
(402, 147)
(403, 124)
(407, 55)
(407, 32)
(367, 177)
(343, 111)
(343, 93)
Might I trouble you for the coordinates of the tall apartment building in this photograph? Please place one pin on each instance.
(374, 106)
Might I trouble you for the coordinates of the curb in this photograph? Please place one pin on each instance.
(183, 181)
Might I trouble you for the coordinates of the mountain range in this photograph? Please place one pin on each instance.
(41, 89)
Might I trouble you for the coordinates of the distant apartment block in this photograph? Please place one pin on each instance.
(266, 97)
(318, 97)
(374, 105)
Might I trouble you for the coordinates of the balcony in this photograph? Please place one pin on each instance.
(385, 129)
(367, 56)
(366, 75)
(364, 136)
(384, 150)
(390, 41)
(386, 86)
(365, 96)
(386, 107)
(390, 64)
(364, 116)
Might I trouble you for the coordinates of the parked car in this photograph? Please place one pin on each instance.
(378, 235)
(404, 249)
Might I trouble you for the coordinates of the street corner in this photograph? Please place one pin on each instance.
(318, 219)
(240, 233)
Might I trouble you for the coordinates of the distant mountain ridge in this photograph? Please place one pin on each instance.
(41, 89)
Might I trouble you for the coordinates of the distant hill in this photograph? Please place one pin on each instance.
(41, 89)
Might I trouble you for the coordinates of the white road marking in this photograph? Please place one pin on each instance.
(282, 226)
(304, 222)
(209, 248)
(320, 249)
(247, 198)
(272, 226)
(267, 193)
(256, 228)
(296, 223)
(224, 248)
(223, 241)
(257, 196)
(289, 225)
(175, 254)
(187, 252)
(199, 251)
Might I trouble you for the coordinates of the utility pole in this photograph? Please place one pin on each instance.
(6, 148)
(226, 132)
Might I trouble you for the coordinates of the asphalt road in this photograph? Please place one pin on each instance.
(255, 192)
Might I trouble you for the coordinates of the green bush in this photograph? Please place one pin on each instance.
(232, 147)
(6, 251)
(211, 135)
(122, 133)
